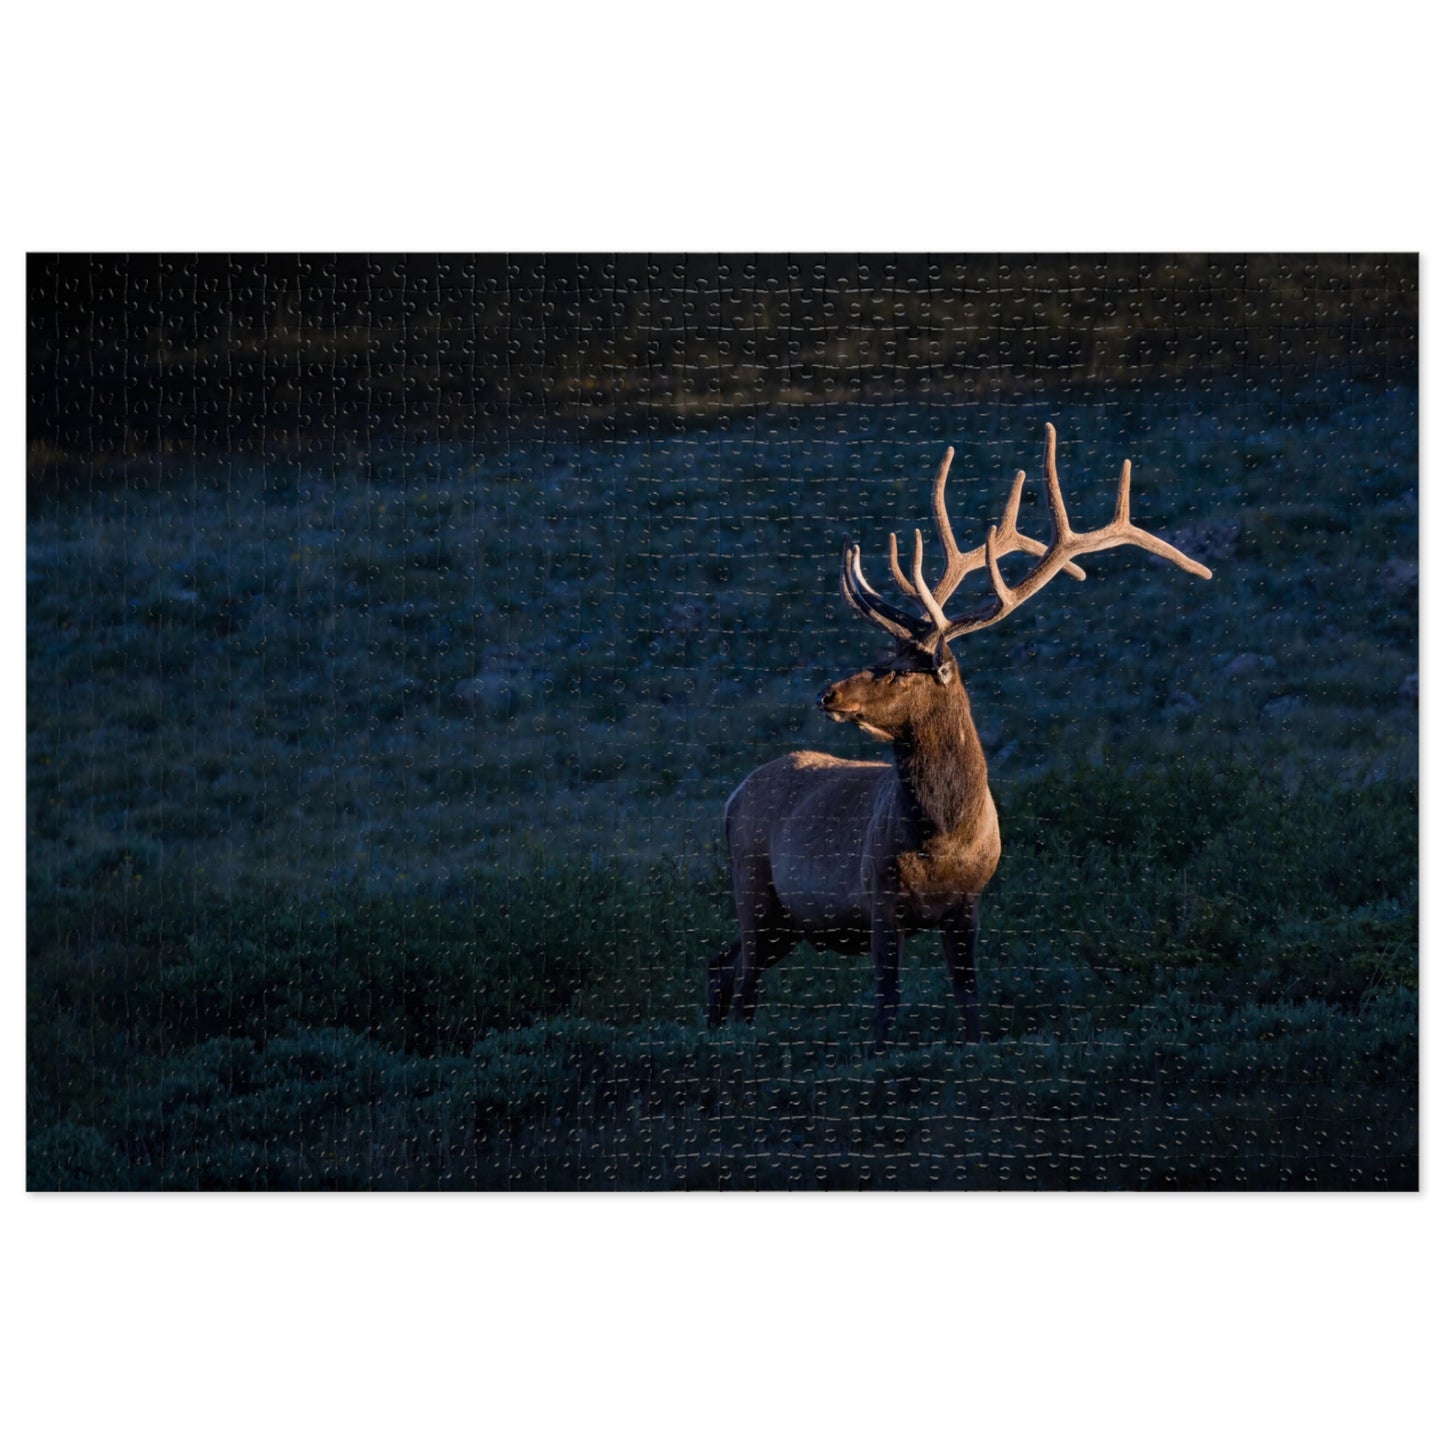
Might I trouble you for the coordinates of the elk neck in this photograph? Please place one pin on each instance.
(942, 769)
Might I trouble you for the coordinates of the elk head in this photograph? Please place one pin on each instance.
(886, 700)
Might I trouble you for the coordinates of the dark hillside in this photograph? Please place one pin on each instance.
(133, 355)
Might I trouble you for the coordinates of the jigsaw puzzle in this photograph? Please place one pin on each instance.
(722, 722)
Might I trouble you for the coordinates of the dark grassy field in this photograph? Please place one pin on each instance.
(374, 807)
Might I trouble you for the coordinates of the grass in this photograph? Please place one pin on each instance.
(373, 818)
(1230, 1007)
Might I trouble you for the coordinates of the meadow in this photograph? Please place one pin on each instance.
(375, 806)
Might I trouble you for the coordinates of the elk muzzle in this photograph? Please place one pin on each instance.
(833, 702)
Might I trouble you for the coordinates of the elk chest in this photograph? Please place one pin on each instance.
(932, 884)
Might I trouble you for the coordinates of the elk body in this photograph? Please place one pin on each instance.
(856, 856)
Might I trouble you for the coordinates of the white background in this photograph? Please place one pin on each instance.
(736, 126)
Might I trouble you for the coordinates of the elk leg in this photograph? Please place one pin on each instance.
(759, 949)
(762, 924)
(887, 948)
(960, 942)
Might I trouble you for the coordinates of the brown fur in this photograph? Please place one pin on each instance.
(855, 855)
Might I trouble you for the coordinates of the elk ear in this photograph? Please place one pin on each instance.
(943, 666)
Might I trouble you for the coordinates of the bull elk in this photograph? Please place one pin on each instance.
(856, 856)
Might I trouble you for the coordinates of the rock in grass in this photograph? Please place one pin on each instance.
(1399, 576)
(1281, 708)
(1246, 664)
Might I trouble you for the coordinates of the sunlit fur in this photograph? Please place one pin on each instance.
(854, 856)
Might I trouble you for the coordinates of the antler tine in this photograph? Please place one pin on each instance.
(956, 566)
(935, 612)
(1138, 537)
(1058, 515)
(1005, 594)
(1147, 540)
(1011, 507)
(1066, 544)
(870, 606)
(904, 585)
(1121, 506)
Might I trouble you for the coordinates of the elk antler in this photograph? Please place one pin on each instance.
(935, 630)
(960, 564)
